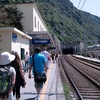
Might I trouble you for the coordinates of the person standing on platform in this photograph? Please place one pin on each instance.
(56, 57)
(20, 79)
(47, 56)
(26, 62)
(40, 67)
(6, 60)
(53, 56)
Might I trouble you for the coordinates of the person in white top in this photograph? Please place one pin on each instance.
(27, 57)
(47, 55)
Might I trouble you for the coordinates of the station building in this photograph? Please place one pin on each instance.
(35, 32)
(35, 26)
(14, 39)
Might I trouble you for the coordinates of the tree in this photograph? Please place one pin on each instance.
(11, 17)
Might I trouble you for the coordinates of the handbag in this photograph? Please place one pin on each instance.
(39, 77)
(49, 58)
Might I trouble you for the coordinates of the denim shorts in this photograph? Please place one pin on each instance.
(39, 85)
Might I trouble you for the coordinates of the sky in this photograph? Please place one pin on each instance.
(91, 6)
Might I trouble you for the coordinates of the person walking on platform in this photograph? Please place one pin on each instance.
(20, 79)
(6, 61)
(40, 67)
(47, 56)
(26, 62)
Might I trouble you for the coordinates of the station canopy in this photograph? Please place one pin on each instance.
(41, 37)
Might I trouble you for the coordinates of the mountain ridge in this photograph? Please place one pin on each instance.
(61, 15)
(69, 24)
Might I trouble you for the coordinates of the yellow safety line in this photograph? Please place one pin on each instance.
(45, 86)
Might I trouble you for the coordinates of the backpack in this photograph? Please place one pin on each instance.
(5, 80)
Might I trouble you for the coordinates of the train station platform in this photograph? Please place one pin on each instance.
(52, 90)
(88, 58)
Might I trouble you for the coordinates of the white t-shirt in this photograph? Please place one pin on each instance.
(46, 54)
(27, 57)
(12, 72)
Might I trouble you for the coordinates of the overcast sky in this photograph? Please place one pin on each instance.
(91, 6)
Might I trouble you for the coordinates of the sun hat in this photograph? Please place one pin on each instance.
(6, 58)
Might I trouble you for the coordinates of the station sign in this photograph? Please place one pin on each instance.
(14, 37)
(40, 41)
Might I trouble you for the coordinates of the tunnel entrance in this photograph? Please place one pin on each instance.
(68, 51)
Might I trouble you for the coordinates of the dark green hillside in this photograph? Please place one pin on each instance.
(66, 22)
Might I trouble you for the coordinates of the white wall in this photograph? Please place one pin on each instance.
(30, 11)
(5, 43)
(24, 44)
(27, 20)
(21, 43)
(39, 24)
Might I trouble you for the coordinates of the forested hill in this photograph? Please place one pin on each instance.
(69, 23)
(66, 22)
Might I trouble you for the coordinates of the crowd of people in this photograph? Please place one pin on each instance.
(13, 61)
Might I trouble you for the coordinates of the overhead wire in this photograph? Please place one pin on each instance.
(84, 34)
(79, 4)
(83, 4)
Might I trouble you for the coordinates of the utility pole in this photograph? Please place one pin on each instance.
(85, 44)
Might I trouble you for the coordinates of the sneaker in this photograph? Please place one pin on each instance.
(37, 97)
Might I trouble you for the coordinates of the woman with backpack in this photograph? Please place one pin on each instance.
(20, 79)
(7, 85)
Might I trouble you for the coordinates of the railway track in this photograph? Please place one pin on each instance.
(88, 61)
(91, 70)
(87, 88)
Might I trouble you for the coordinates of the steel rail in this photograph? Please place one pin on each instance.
(75, 87)
(93, 65)
(92, 80)
(78, 93)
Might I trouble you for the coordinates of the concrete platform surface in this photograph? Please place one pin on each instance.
(52, 89)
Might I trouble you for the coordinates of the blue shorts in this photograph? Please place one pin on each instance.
(38, 85)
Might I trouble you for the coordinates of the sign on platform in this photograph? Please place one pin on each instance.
(40, 41)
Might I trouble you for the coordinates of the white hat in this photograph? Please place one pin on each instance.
(6, 58)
